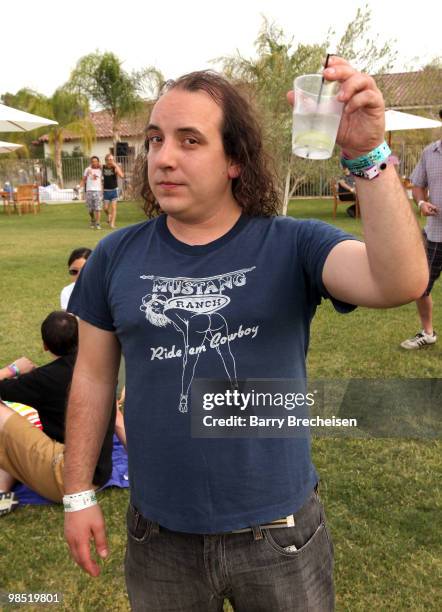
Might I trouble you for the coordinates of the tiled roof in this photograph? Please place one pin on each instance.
(401, 90)
(411, 89)
(102, 120)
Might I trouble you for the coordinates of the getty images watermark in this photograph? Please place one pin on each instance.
(259, 408)
(280, 408)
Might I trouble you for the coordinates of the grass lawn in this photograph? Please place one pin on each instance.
(382, 497)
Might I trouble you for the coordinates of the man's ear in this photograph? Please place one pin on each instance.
(234, 171)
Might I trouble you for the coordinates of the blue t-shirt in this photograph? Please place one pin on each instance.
(170, 305)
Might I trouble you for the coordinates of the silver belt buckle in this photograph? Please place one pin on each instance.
(288, 521)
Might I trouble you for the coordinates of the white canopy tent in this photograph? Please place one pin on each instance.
(13, 120)
(8, 147)
(396, 120)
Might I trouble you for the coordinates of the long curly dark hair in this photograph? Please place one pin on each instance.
(254, 189)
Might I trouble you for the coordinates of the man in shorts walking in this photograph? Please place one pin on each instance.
(93, 179)
(427, 193)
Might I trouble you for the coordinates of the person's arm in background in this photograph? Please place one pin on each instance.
(345, 185)
(391, 267)
(120, 430)
(89, 408)
(84, 178)
(118, 171)
(26, 388)
(420, 194)
(23, 365)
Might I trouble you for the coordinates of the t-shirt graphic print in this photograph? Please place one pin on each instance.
(192, 306)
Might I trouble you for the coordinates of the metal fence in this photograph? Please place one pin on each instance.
(312, 179)
(308, 178)
(43, 173)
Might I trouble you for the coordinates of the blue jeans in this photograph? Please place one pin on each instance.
(267, 570)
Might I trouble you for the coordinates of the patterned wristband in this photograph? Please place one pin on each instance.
(364, 162)
(372, 172)
(13, 369)
(79, 501)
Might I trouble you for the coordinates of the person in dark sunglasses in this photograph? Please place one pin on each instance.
(76, 261)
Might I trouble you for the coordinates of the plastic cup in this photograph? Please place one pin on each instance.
(316, 116)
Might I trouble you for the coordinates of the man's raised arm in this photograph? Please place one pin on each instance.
(89, 409)
(391, 267)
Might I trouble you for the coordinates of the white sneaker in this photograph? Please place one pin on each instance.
(8, 502)
(420, 340)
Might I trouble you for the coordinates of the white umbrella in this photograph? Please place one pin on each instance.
(13, 120)
(8, 147)
(395, 120)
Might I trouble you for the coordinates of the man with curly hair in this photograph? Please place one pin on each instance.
(224, 517)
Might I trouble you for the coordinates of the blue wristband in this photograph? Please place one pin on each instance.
(14, 370)
(363, 162)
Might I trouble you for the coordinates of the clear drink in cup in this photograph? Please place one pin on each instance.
(316, 116)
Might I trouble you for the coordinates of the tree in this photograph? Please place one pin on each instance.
(101, 77)
(269, 75)
(69, 109)
(27, 100)
(267, 78)
(363, 52)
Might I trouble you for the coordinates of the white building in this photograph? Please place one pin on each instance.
(131, 132)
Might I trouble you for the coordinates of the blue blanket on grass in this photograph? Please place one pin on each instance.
(119, 478)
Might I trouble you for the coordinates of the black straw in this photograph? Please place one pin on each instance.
(329, 55)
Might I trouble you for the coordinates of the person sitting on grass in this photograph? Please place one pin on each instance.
(28, 454)
(76, 261)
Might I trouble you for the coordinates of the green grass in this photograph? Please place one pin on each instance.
(382, 496)
(365, 343)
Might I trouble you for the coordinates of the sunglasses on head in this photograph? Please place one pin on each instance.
(74, 272)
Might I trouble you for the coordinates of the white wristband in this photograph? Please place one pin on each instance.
(419, 204)
(79, 501)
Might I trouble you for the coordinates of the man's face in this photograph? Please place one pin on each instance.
(110, 160)
(188, 171)
(95, 163)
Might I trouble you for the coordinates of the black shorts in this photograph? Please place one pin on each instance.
(434, 254)
(346, 196)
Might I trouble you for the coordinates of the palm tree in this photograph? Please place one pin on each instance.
(69, 109)
(103, 80)
(27, 100)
